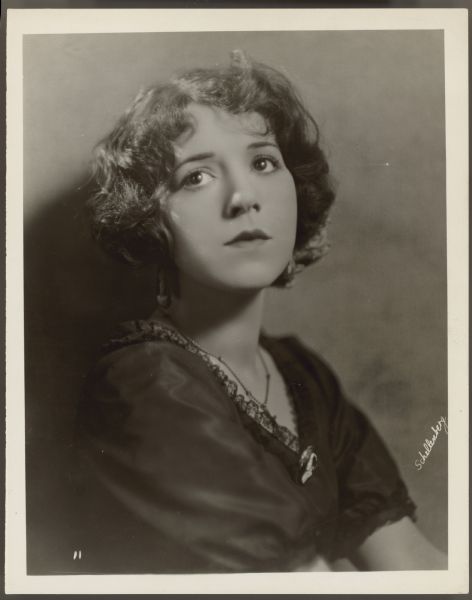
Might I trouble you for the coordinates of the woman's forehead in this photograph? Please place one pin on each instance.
(208, 124)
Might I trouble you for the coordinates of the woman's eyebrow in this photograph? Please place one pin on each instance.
(194, 157)
(205, 155)
(262, 144)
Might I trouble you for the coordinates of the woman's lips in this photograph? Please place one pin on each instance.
(252, 237)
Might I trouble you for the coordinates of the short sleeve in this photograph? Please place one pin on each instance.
(172, 482)
(371, 490)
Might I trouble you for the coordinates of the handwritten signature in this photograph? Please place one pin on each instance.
(429, 443)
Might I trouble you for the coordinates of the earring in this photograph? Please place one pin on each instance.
(163, 297)
(288, 275)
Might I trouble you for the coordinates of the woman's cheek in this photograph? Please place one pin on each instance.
(191, 252)
(286, 208)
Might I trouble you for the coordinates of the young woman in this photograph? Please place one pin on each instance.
(206, 445)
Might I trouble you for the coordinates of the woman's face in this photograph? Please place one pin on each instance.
(233, 208)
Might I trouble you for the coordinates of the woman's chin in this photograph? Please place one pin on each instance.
(247, 279)
(248, 285)
(252, 278)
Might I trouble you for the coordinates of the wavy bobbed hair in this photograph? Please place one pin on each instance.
(133, 165)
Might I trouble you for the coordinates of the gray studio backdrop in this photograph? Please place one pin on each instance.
(375, 306)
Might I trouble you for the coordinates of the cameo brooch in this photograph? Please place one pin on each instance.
(307, 464)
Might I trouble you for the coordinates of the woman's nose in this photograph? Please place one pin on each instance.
(241, 201)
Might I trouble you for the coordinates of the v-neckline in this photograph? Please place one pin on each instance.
(295, 377)
(152, 329)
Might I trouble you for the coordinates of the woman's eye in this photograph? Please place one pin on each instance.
(196, 179)
(265, 164)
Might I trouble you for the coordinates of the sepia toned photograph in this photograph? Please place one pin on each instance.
(235, 270)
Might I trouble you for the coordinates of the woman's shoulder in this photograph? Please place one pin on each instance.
(141, 336)
(142, 360)
(136, 345)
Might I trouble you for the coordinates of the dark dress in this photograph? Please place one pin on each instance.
(180, 474)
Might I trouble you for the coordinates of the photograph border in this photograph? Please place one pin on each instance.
(454, 24)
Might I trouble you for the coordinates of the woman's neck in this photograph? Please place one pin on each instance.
(223, 323)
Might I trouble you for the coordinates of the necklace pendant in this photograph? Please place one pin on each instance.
(308, 464)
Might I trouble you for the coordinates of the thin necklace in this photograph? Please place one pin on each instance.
(220, 359)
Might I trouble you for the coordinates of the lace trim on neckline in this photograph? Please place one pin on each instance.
(152, 330)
